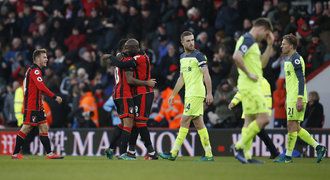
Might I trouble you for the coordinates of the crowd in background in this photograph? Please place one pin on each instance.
(77, 32)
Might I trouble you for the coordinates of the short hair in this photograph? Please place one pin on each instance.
(315, 94)
(186, 33)
(37, 53)
(291, 39)
(264, 22)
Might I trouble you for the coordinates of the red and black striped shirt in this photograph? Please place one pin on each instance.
(122, 88)
(142, 72)
(34, 88)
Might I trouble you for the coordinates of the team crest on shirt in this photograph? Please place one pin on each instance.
(244, 48)
(39, 79)
(297, 61)
(131, 110)
(36, 72)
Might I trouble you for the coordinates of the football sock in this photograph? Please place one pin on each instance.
(19, 141)
(145, 136)
(268, 142)
(204, 136)
(247, 148)
(179, 140)
(251, 131)
(45, 142)
(305, 136)
(124, 138)
(132, 139)
(115, 137)
(291, 142)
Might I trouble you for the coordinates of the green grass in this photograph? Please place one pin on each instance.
(97, 168)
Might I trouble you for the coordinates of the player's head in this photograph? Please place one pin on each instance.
(131, 47)
(188, 41)
(121, 44)
(40, 57)
(289, 43)
(263, 26)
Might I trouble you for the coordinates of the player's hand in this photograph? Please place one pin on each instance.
(170, 100)
(105, 57)
(300, 104)
(253, 77)
(151, 82)
(58, 99)
(231, 106)
(270, 38)
(209, 99)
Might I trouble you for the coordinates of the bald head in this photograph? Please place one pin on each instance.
(132, 46)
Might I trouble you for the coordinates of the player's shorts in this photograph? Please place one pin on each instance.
(142, 106)
(125, 107)
(269, 105)
(253, 102)
(34, 118)
(193, 106)
(292, 114)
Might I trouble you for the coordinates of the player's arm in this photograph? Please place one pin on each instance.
(178, 85)
(121, 64)
(38, 81)
(269, 50)
(208, 84)
(202, 63)
(133, 81)
(236, 100)
(239, 61)
(301, 82)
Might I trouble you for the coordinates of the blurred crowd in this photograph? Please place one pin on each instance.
(77, 32)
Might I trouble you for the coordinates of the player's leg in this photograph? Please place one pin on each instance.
(125, 135)
(183, 131)
(125, 111)
(204, 137)
(21, 135)
(114, 141)
(143, 103)
(293, 117)
(269, 143)
(307, 138)
(43, 136)
(115, 138)
(132, 141)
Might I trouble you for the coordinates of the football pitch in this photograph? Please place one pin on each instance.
(96, 168)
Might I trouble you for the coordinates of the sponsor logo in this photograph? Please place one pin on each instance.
(244, 48)
(36, 72)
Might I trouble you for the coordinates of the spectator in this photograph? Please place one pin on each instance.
(89, 106)
(316, 51)
(8, 107)
(76, 40)
(222, 97)
(228, 18)
(170, 113)
(314, 116)
(279, 104)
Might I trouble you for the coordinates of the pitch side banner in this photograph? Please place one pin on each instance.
(93, 142)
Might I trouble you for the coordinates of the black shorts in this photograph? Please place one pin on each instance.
(125, 107)
(143, 103)
(34, 118)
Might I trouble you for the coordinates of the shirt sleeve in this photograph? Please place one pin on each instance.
(237, 98)
(300, 75)
(246, 44)
(202, 60)
(38, 81)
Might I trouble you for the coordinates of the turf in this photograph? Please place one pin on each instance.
(97, 168)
